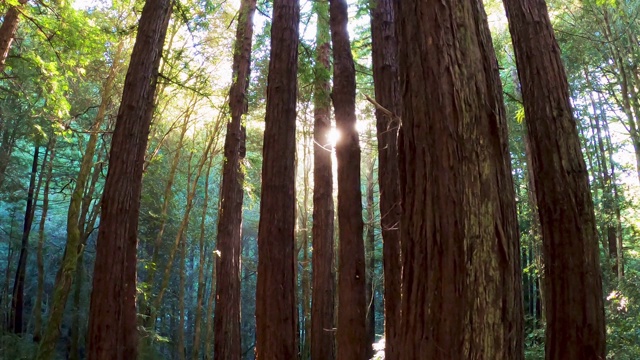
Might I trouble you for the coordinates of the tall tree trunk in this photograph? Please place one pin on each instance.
(323, 287)
(166, 201)
(17, 302)
(208, 338)
(74, 348)
(461, 276)
(575, 315)
(75, 221)
(387, 87)
(352, 305)
(192, 187)
(227, 341)
(276, 307)
(8, 31)
(305, 273)
(197, 327)
(181, 306)
(37, 307)
(113, 298)
(370, 254)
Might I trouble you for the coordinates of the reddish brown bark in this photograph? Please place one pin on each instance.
(575, 315)
(112, 320)
(8, 31)
(352, 307)
(227, 311)
(323, 289)
(276, 307)
(461, 276)
(387, 87)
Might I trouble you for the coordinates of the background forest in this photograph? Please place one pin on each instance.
(60, 90)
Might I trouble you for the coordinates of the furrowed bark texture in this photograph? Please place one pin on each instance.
(276, 307)
(112, 318)
(227, 311)
(387, 90)
(352, 305)
(324, 288)
(8, 31)
(574, 305)
(461, 277)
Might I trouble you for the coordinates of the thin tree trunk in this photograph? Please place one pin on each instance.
(276, 310)
(181, 234)
(323, 289)
(208, 338)
(181, 307)
(17, 302)
(197, 327)
(387, 87)
(37, 308)
(8, 31)
(227, 340)
(575, 313)
(370, 254)
(74, 352)
(305, 276)
(352, 305)
(75, 221)
(113, 298)
(461, 276)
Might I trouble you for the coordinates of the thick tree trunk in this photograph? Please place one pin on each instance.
(17, 301)
(352, 305)
(575, 315)
(8, 31)
(323, 289)
(113, 298)
(387, 87)
(276, 307)
(227, 341)
(461, 276)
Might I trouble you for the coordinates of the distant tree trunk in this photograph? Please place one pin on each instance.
(276, 307)
(197, 327)
(227, 341)
(575, 315)
(37, 307)
(74, 351)
(8, 31)
(387, 87)
(323, 288)
(75, 220)
(305, 273)
(181, 306)
(352, 306)
(461, 274)
(208, 338)
(370, 254)
(17, 302)
(113, 298)
(192, 187)
(166, 201)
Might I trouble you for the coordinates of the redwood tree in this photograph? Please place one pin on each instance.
(323, 290)
(352, 306)
(574, 305)
(8, 31)
(276, 307)
(227, 311)
(461, 275)
(112, 319)
(387, 87)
